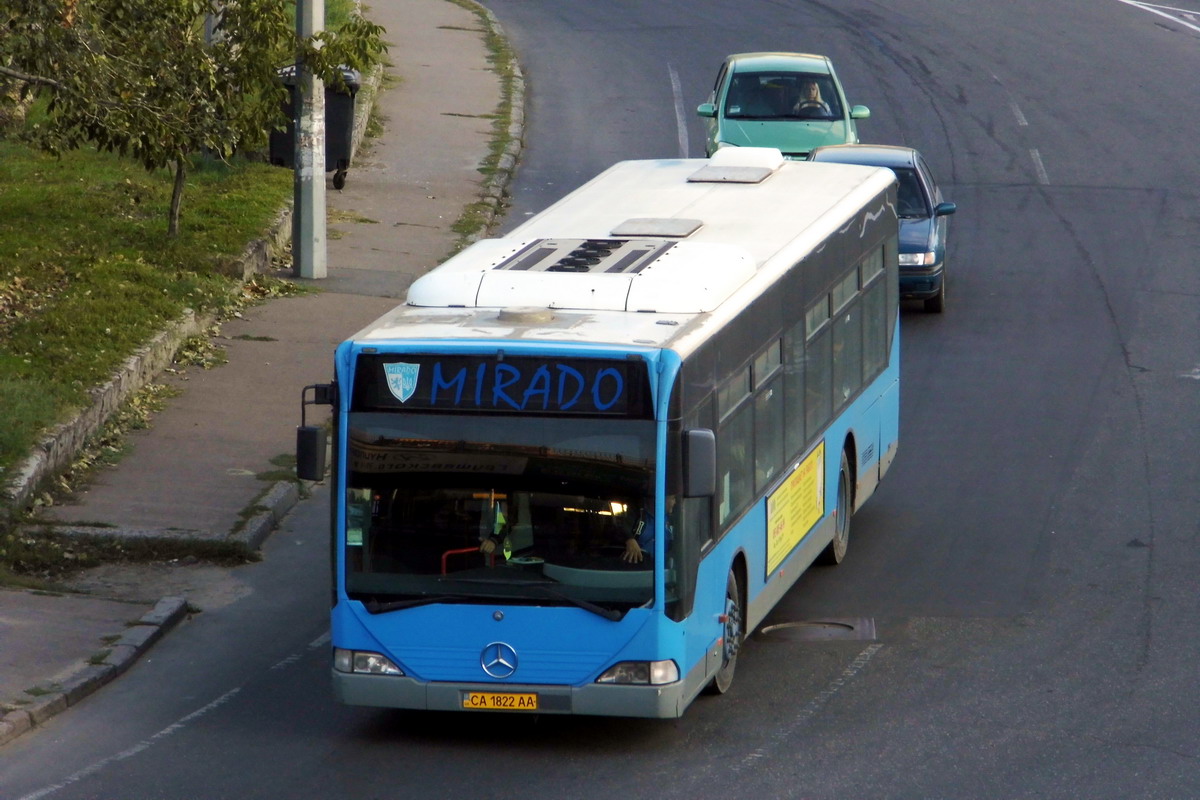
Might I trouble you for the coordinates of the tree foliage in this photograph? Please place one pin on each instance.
(161, 80)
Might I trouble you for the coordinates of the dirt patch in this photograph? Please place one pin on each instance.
(206, 586)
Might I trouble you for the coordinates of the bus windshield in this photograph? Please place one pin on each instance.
(532, 510)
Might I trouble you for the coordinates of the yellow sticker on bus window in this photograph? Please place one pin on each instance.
(795, 507)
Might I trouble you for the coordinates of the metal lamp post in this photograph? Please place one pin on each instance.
(308, 214)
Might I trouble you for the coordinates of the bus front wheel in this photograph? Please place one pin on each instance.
(835, 551)
(731, 642)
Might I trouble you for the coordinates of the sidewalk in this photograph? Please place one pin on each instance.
(205, 471)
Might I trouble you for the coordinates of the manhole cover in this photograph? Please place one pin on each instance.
(823, 630)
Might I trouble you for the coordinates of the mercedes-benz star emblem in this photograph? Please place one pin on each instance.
(498, 660)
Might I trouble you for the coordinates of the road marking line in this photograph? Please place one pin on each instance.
(1016, 109)
(1166, 8)
(1039, 167)
(292, 659)
(1156, 10)
(145, 744)
(680, 116)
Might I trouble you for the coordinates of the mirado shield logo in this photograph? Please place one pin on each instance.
(401, 379)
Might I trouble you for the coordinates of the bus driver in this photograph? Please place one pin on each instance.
(641, 539)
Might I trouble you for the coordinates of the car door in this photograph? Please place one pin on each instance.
(934, 192)
(712, 125)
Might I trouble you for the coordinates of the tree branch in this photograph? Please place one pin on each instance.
(35, 79)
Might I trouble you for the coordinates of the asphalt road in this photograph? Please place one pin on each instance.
(1029, 564)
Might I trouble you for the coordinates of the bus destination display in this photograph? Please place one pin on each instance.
(514, 384)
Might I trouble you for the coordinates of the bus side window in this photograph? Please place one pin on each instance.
(768, 433)
(768, 414)
(848, 349)
(735, 464)
(793, 389)
(691, 520)
(818, 383)
(875, 331)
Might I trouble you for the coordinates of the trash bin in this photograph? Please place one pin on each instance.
(339, 125)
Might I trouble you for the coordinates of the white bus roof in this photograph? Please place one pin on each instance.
(642, 254)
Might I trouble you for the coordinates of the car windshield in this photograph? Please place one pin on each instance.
(910, 197)
(556, 500)
(782, 95)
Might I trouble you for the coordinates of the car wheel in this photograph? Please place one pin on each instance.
(937, 303)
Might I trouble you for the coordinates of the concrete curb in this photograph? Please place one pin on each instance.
(277, 502)
(495, 187)
(117, 658)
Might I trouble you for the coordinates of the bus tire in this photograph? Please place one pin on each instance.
(731, 641)
(835, 551)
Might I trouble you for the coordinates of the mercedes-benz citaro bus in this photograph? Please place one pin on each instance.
(583, 461)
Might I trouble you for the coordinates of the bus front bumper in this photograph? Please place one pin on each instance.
(389, 691)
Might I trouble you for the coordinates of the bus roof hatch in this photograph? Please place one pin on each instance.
(739, 165)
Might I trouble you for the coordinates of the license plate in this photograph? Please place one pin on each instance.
(500, 701)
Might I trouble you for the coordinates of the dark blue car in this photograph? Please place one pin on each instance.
(922, 211)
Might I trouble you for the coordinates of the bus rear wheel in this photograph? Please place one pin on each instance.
(731, 643)
(835, 551)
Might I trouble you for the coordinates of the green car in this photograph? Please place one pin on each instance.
(790, 101)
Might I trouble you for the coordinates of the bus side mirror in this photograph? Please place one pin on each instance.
(310, 439)
(310, 453)
(699, 463)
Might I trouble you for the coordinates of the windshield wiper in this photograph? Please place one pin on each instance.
(373, 606)
(608, 613)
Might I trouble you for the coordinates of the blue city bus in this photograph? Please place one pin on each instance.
(583, 461)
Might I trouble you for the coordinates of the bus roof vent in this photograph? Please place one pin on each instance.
(584, 255)
(739, 165)
(673, 227)
(665, 276)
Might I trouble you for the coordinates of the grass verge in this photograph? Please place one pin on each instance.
(477, 217)
(87, 274)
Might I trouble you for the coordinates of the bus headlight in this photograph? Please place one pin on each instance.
(651, 673)
(364, 662)
(918, 259)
